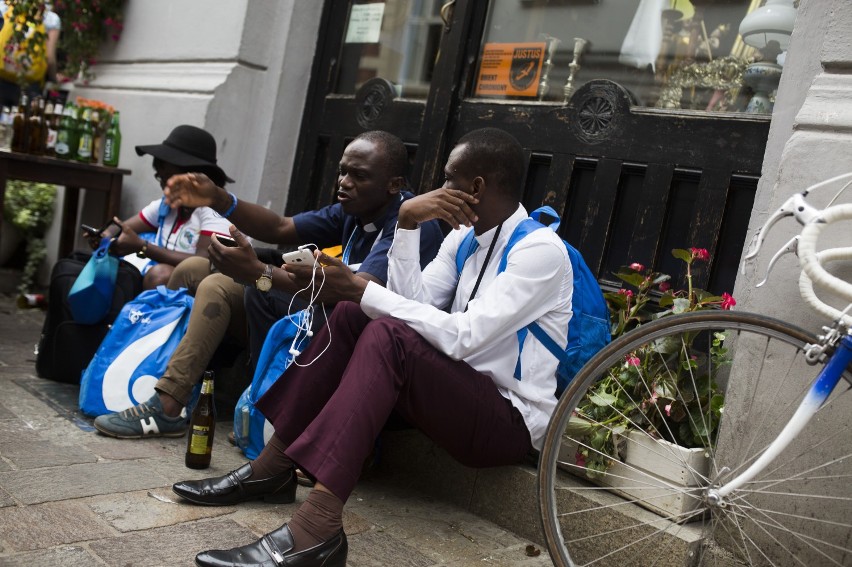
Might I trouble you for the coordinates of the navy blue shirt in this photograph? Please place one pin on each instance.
(330, 226)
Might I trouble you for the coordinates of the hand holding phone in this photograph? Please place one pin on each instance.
(91, 231)
(227, 241)
(301, 257)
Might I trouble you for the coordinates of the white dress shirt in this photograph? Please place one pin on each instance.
(536, 285)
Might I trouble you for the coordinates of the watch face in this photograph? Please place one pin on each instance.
(263, 283)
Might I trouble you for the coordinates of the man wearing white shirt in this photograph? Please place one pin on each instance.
(438, 348)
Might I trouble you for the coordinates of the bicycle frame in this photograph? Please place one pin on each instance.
(815, 398)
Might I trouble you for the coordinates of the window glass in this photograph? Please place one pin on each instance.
(395, 40)
(674, 54)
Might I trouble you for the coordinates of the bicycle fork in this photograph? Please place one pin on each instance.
(816, 396)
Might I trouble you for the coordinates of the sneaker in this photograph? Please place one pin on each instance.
(144, 420)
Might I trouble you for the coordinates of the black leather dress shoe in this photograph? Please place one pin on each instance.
(274, 550)
(233, 488)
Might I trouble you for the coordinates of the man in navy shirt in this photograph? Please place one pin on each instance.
(370, 189)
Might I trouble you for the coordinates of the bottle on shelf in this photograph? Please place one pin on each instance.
(66, 134)
(36, 126)
(202, 426)
(52, 126)
(112, 141)
(20, 141)
(86, 138)
(6, 129)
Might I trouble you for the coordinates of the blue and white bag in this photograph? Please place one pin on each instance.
(251, 429)
(135, 351)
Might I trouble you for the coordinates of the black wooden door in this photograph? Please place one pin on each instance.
(631, 183)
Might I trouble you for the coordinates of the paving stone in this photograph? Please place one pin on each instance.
(77, 481)
(31, 450)
(36, 527)
(373, 548)
(155, 508)
(511, 557)
(65, 556)
(124, 449)
(174, 545)
(5, 499)
(6, 413)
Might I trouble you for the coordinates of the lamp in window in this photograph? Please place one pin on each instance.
(768, 29)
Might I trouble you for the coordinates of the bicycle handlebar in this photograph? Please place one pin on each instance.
(804, 245)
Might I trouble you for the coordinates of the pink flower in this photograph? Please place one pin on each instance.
(637, 267)
(633, 361)
(700, 254)
(669, 410)
(728, 301)
(579, 459)
(665, 286)
(625, 292)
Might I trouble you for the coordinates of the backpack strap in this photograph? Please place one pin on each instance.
(466, 249)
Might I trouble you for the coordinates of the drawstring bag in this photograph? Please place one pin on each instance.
(135, 352)
(90, 298)
(251, 429)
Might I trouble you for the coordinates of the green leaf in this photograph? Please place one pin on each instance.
(681, 305)
(578, 427)
(603, 399)
(631, 277)
(682, 254)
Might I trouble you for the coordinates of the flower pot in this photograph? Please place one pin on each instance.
(649, 470)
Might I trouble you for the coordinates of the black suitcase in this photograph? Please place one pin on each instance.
(65, 347)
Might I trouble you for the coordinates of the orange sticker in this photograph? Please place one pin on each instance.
(510, 69)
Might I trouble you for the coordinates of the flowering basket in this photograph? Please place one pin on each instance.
(654, 388)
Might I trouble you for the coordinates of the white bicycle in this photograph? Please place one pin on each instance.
(771, 480)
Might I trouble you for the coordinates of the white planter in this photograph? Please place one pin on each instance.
(651, 468)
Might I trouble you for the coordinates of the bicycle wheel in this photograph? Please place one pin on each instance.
(613, 489)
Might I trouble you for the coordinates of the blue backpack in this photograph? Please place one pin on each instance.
(588, 331)
(251, 429)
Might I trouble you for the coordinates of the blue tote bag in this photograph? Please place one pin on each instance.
(135, 352)
(251, 429)
(90, 297)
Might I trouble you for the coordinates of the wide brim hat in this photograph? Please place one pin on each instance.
(186, 146)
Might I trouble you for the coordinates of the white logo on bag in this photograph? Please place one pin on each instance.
(136, 316)
(149, 426)
(117, 377)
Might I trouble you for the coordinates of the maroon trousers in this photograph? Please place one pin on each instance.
(330, 413)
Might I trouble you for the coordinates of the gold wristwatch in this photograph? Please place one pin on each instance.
(264, 282)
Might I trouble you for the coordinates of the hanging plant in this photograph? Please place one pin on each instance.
(86, 24)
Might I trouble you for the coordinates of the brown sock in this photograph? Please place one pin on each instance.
(318, 519)
(271, 461)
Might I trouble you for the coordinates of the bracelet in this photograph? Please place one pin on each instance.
(233, 206)
(144, 252)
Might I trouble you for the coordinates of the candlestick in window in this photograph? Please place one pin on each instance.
(543, 85)
(573, 67)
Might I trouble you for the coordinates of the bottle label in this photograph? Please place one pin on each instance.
(84, 150)
(207, 387)
(109, 149)
(62, 147)
(51, 138)
(198, 440)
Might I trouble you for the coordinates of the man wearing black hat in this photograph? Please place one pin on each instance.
(175, 234)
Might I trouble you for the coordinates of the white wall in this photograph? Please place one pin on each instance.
(239, 69)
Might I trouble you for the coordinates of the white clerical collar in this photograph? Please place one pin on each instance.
(370, 227)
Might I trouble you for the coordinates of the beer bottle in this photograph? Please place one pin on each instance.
(66, 134)
(112, 141)
(202, 426)
(36, 125)
(51, 122)
(87, 137)
(20, 142)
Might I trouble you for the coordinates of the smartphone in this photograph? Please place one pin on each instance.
(227, 241)
(90, 230)
(301, 257)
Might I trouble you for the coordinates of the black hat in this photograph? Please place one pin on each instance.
(186, 146)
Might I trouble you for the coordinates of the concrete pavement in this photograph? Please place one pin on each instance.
(71, 497)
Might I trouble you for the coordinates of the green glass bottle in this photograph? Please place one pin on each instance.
(67, 136)
(86, 140)
(112, 141)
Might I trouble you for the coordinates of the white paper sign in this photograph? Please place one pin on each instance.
(365, 23)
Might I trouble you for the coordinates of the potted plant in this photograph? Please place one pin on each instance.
(648, 391)
(29, 208)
